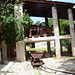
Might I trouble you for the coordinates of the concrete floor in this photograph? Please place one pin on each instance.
(25, 68)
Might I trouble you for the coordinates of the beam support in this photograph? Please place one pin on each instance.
(20, 45)
(46, 22)
(72, 31)
(48, 42)
(56, 32)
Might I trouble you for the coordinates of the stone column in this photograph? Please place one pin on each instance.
(56, 32)
(18, 10)
(20, 51)
(4, 50)
(48, 42)
(20, 45)
(72, 31)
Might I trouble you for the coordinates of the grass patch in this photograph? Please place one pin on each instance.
(33, 49)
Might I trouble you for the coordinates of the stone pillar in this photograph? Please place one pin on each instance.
(48, 42)
(4, 50)
(18, 10)
(20, 45)
(60, 35)
(20, 51)
(72, 31)
(56, 32)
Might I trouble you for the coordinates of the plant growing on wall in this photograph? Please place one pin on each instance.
(12, 27)
(26, 22)
(9, 22)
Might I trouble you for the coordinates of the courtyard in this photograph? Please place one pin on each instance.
(64, 64)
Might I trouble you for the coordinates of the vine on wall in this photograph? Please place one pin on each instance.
(12, 27)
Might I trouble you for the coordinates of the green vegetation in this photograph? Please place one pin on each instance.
(63, 23)
(54, 56)
(50, 22)
(9, 24)
(33, 49)
(26, 22)
(12, 27)
(39, 73)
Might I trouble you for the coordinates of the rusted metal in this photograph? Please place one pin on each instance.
(36, 56)
(38, 30)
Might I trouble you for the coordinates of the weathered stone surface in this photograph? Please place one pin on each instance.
(20, 50)
(16, 68)
(25, 68)
(56, 32)
(43, 45)
(19, 8)
(40, 45)
(20, 46)
(72, 30)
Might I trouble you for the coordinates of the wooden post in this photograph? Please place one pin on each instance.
(56, 32)
(46, 22)
(48, 42)
(72, 31)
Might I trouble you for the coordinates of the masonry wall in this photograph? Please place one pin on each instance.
(43, 45)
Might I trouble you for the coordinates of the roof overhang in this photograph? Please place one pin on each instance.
(44, 8)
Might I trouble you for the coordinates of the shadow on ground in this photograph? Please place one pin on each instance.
(68, 64)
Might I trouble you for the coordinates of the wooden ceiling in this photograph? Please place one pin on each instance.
(43, 8)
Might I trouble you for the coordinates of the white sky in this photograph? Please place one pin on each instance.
(70, 1)
(35, 19)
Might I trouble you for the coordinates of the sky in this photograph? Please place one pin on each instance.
(70, 1)
(35, 19)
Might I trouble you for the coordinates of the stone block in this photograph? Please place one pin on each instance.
(20, 51)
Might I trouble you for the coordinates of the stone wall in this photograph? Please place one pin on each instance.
(43, 45)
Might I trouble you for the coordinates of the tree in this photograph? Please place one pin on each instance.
(9, 22)
(63, 23)
(50, 22)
